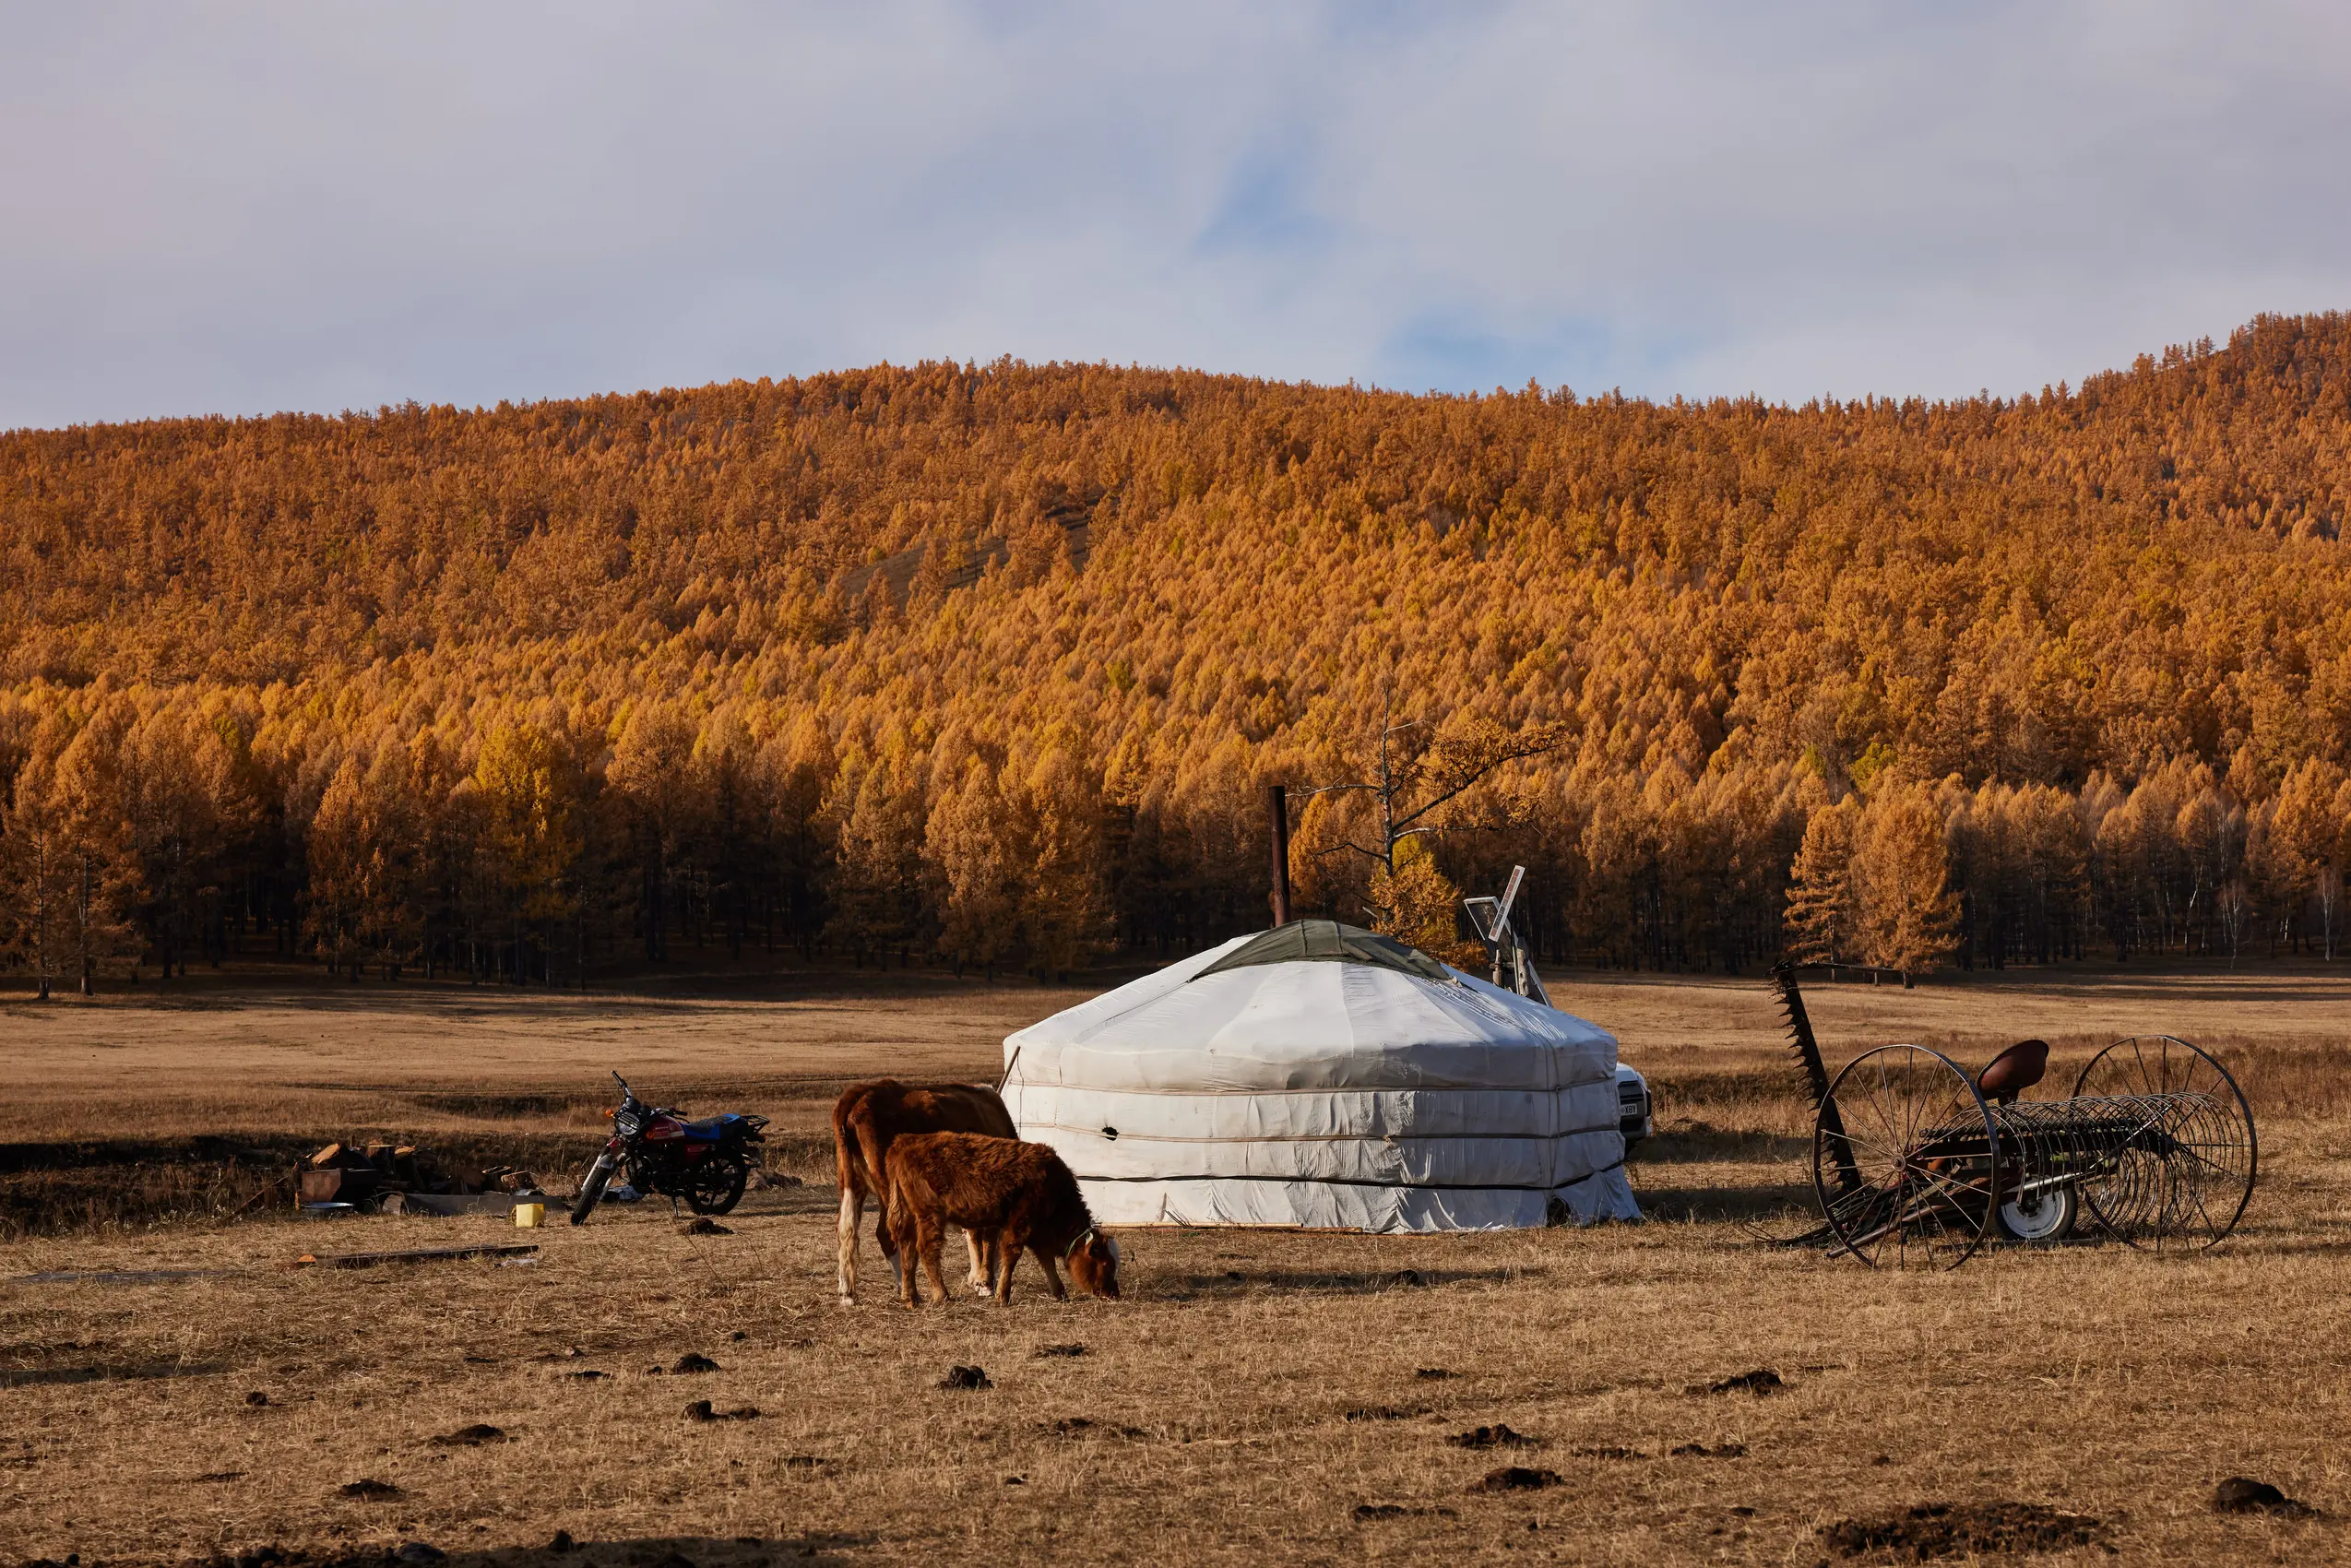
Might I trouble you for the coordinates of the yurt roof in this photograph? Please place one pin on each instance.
(1313, 1003)
(1326, 942)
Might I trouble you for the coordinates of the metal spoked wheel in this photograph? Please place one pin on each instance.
(1906, 1160)
(2181, 1179)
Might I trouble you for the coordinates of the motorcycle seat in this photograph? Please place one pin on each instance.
(712, 1127)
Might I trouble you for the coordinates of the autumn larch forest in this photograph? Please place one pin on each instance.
(989, 667)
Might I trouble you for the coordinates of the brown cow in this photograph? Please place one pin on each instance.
(866, 1119)
(1017, 1197)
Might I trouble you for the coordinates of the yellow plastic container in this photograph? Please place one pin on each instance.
(527, 1216)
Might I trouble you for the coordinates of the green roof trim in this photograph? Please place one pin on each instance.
(1328, 941)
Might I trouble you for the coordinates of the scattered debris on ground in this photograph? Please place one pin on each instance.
(1760, 1381)
(804, 1461)
(368, 1490)
(1365, 1513)
(1700, 1451)
(706, 1225)
(256, 1399)
(1495, 1437)
(701, 1411)
(966, 1378)
(1434, 1374)
(1045, 1350)
(693, 1361)
(1610, 1451)
(1952, 1529)
(473, 1436)
(402, 1179)
(2243, 1494)
(1382, 1413)
(1515, 1477)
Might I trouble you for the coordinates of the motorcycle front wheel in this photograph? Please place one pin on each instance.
(718, 1187)
(600, 1176)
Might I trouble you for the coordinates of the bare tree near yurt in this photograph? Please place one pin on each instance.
(1415, 782)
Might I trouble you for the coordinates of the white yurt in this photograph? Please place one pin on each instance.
(1316, 1075)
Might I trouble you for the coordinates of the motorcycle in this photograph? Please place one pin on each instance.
(707, 1164)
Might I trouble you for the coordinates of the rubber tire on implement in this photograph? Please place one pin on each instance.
(2049, 1220)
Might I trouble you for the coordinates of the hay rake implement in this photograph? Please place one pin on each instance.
(1918, 1164)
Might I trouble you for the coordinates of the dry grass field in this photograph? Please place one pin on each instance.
(1259, 1396)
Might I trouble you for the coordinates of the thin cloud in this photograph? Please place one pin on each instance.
(242, 208)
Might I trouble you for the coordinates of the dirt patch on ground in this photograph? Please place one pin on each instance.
(473, 1436)
(703, 1411)
(2243, 1494)
(1515, 1477)
(1952, 1529)
(1495, 1437)
(1760, 1381)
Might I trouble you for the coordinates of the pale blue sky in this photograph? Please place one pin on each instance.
(246, 207)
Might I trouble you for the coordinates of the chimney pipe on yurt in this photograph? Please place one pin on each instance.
(1278, 806)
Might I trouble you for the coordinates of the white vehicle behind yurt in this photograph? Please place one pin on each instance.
(1319, 1076)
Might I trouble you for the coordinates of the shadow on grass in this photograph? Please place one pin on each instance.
(29, 1377)
(652, 1551)
(1788, 1204)
(1350, 1282)
(685, 989)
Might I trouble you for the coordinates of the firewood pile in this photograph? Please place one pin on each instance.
(395, 1177)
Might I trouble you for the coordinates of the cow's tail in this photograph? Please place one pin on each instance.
(850, 1170)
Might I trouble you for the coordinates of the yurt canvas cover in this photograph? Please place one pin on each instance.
(1316, 1075)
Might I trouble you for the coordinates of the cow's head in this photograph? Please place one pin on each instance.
(1093, 1262)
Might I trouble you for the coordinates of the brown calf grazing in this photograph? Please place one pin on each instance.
(867, 1118)
(1015, 1197)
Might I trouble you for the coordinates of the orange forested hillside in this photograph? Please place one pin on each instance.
(989, 666)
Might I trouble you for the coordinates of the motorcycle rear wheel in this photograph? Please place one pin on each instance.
(718, 1189)
(600, 1176)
